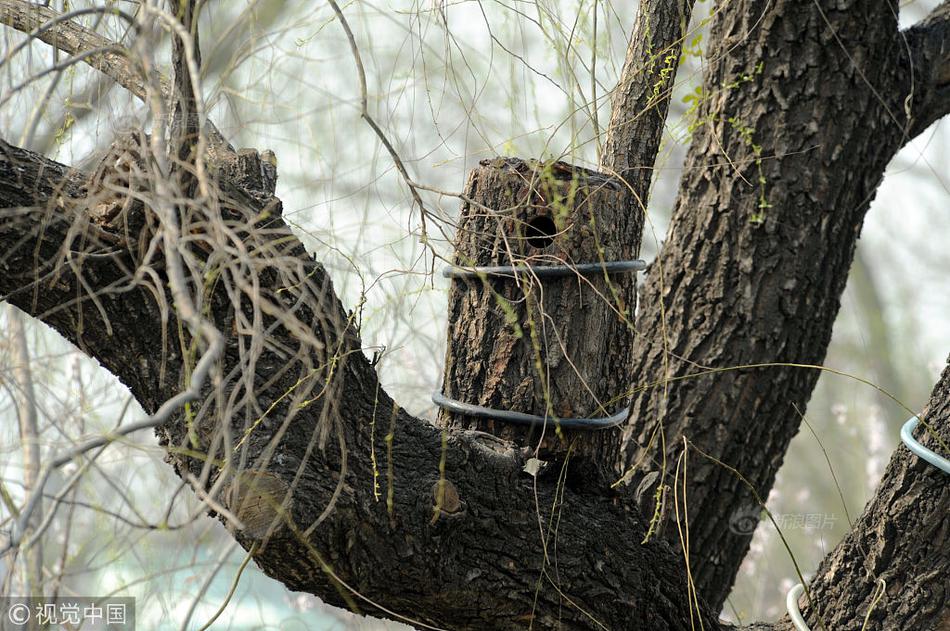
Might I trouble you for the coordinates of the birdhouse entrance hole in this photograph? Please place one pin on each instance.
(540, 232)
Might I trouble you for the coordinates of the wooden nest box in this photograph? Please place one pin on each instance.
(554, 346)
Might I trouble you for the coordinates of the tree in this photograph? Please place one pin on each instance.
(171, 264)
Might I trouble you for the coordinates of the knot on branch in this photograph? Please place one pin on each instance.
(254, 172)
(261, 501)
(120, 174)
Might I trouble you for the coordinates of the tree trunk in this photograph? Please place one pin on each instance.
(803, 107)
(342, 493)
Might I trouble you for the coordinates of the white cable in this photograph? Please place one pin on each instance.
(791, 604)
(907, 435)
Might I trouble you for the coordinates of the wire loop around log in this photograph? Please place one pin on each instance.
(540, 271)
(520, 418)
(546, 271)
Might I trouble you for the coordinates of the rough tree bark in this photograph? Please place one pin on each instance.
(344, 495)
(805, 103)
(899, 545)
(391, 544)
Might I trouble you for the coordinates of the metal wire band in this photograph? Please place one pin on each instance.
(791, 606)
(520, 418)
(546, 271)
(907, 436)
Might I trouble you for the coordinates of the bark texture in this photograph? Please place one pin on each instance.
(892, 568)
(72, 38)
(929, 71)
(595, 364)
(641, 99)
(453, 535)
(803, 109)
(554, 347)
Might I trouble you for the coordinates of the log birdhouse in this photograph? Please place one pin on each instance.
(541, 302)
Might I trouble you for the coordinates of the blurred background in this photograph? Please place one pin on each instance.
(450, 84)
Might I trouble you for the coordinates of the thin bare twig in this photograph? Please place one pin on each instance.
(364, 113)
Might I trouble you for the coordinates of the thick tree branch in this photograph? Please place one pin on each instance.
(641, 99)
(54, 29)
(639, 107)
(802, 111)
(186, 63)
(446, 569)
(929, 71)
(899, 544)
(58, 30)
